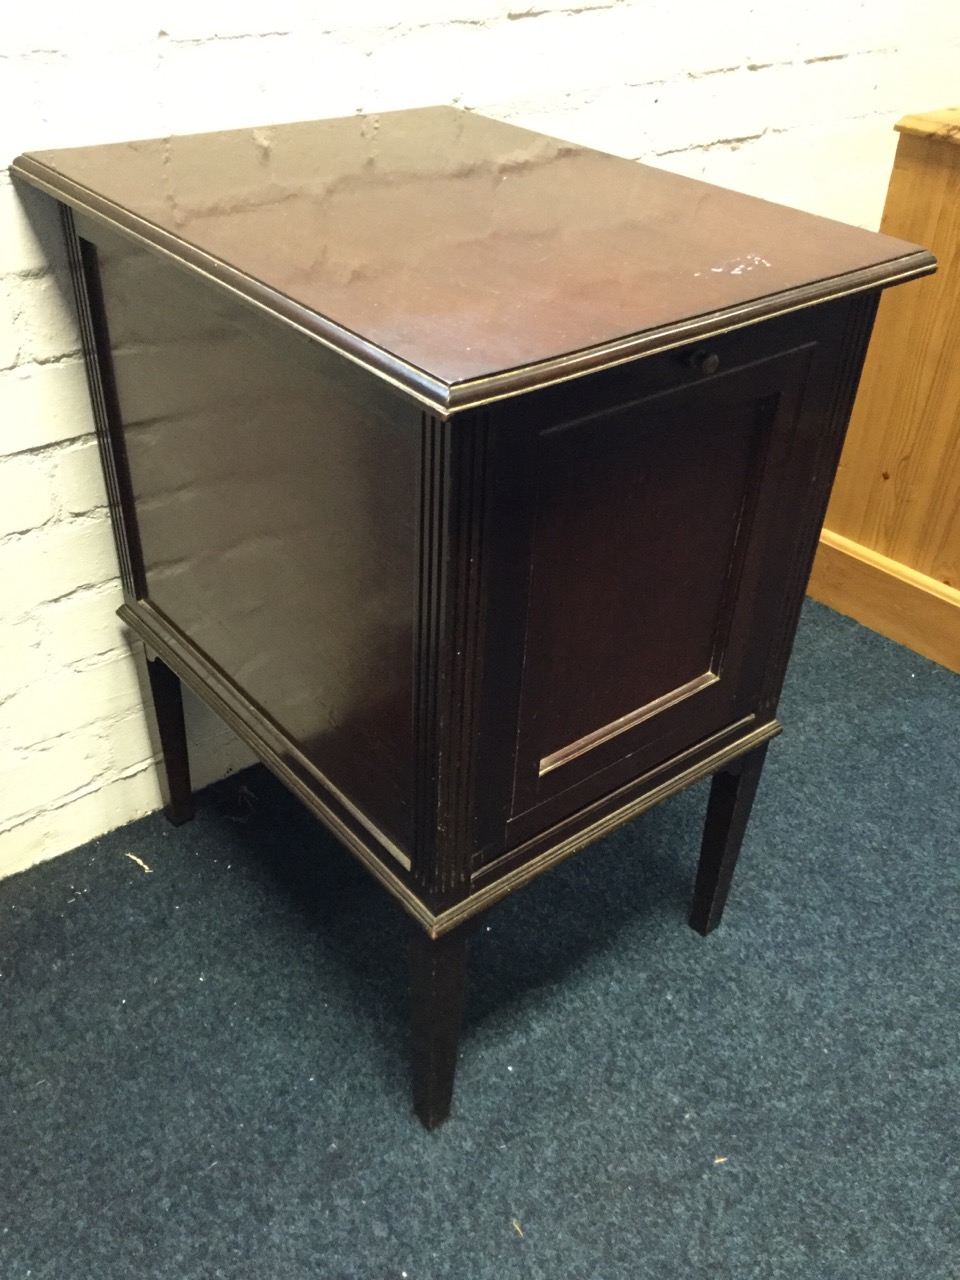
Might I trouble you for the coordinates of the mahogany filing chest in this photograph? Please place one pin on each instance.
(472, 476)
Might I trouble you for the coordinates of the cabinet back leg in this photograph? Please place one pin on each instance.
(732, 793)
(165, 689)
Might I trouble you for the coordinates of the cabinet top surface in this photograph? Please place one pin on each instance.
(943, 125)
(460, 257)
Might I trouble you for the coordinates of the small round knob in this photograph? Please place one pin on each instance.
(704, 362)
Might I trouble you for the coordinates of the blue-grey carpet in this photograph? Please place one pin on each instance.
(204, 1068)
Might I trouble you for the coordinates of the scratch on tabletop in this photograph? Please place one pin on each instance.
(517, 1228)
(140, 863)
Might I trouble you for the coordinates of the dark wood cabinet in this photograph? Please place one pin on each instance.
(473, 477)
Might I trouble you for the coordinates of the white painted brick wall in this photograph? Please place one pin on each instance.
(791, 102)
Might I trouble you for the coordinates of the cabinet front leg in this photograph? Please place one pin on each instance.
(175, 764)
(731, 799)
(438, 984)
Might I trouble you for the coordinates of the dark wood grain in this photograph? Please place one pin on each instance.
(451, 654)
(98, 363)
(175, 760)
(473, 478)
(354, 829)
(426, 243)
(644, 519)
(732, 794)
(277, 514)
(438, 974)
(552, 845)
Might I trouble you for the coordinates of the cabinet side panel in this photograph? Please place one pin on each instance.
(276, 496)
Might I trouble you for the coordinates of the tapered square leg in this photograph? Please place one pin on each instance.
(178, 801)
(437, 985)
(728, 811)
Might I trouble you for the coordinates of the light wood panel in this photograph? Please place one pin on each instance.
(944, 125)
(889, 597)
(895, 506)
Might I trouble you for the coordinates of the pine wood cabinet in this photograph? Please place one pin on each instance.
(889, 554)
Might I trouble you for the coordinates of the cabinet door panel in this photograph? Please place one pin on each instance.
(641, 578)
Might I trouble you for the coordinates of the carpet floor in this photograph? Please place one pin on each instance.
(204, 1064)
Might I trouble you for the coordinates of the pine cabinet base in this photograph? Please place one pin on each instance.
(887, 596)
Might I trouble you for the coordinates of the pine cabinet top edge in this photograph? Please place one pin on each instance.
(937, 126)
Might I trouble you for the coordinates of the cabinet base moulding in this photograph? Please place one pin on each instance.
(888, 597)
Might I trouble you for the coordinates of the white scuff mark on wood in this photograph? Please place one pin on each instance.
(140, 863)
(739, 266)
